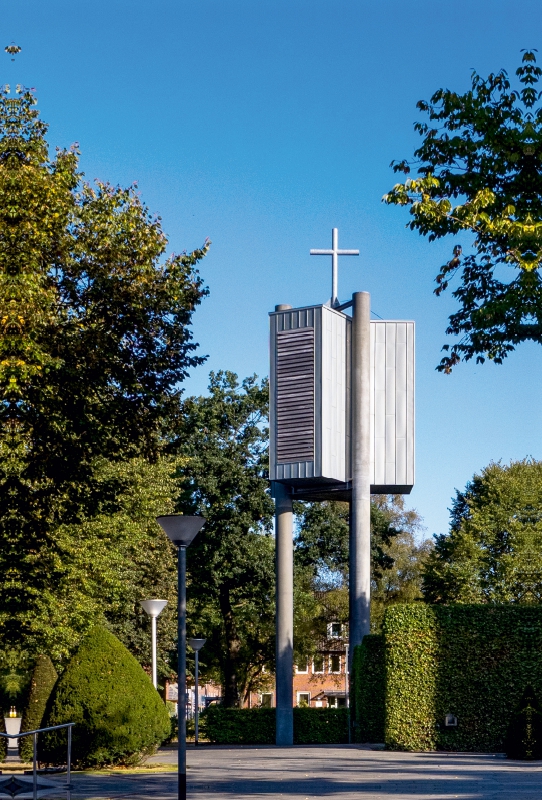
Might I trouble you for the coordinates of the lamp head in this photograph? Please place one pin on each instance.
(196, 644)
(153, 607)
(180, 528)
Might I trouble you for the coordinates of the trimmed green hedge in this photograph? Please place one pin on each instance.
(257, 725)
(44, 677)
(369, 690)
(471, 661)
(118, 714)
(320, 725)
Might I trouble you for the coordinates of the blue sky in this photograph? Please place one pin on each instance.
(262, 124)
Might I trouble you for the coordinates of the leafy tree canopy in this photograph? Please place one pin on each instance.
(224, 439)
(493, 552)
(479, 170)
(95, 338)
(321, 551)
(100, 568)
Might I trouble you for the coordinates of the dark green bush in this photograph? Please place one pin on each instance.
(320, 725)
(257, 725)
(238, 725)
(44, 677)
(474, 662)
(369, 690)
(119, 716)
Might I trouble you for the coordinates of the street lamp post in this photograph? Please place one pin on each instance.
(153, 608)
(181, 530)
(196, 645)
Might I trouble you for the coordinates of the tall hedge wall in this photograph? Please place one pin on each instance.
(257, 725)
(471, 661)
(368, 697)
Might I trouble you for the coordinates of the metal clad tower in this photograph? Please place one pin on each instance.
(308, 395)
(341, 428)
(310, 401)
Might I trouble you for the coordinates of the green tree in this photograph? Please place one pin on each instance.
(493, 552)
(100, 568)
(95, 339)
(224, 439)
(479, 171)
(321, 555)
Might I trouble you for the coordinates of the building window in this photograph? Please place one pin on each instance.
(336, 702)
(318, 663)
(334, 662)
(303, 699)
(303, 665)
(267, 700)
(334, 630)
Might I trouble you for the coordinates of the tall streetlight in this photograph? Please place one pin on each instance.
(153, 608)
(181, 530)
(196, 645)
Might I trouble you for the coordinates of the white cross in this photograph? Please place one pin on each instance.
(334, 253)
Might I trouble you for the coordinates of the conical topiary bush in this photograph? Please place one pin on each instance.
(44, 677)
(118, 714)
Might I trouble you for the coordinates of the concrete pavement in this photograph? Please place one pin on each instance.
(335, 773)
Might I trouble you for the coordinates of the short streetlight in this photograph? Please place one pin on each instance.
(196, 645)
(153, 608)
(181, 530)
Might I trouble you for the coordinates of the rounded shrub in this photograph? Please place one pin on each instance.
(44, 677)
(118, 714)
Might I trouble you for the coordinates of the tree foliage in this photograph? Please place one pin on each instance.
(321, 551)
(100, 568)
(231, 563)
(479, 170)
(493, 552)
(95, 338)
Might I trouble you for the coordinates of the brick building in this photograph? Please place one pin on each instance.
(321, 680)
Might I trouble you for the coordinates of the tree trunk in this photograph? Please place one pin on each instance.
(233, 646)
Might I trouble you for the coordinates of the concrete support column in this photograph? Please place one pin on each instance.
(360, 507)
(284, 525)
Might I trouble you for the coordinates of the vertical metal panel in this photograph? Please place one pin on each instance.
(328, 415)
(372, 400)
(333, 418)
(411, 416)
(317, 316)
(379, 390)
(393, 414)
(348, 405)
(292, 320)
(294, 395)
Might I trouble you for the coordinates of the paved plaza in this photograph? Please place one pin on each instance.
(334, 773)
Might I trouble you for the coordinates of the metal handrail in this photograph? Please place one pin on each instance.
(34, 733)
(38, 730)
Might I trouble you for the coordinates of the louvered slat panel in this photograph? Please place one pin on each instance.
(295, 395)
